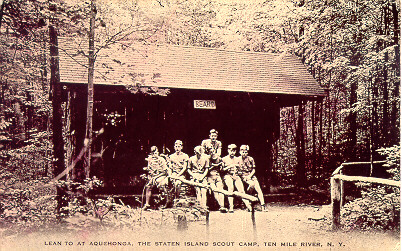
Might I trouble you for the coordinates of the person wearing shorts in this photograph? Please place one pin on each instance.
(247, 172)
(157, 175)
(198, 168)
(230, 165)
(215, 181)
(178, 165)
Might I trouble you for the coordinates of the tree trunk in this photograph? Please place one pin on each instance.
(320, 138)
(351, 150)
(68, 132)
(1, 11)
(20, 128)
(394, 116)
(301, 178)
(374, 115)
(314, 162)
(385, 117)
(57, 125)
(90, 104)
(329, 125)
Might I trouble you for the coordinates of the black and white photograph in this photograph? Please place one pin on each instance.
(200, 125)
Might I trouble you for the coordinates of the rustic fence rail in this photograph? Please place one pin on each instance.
(337, 188)
(251, 198)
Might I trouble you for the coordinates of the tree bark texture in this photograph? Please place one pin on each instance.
(90, 105)
(385, 117)
(301, 178)
(351, 150)
(57, 125)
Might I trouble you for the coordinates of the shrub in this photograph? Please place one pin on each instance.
(379, 206)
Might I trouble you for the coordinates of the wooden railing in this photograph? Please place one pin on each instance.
(251, 198)
(337, 187)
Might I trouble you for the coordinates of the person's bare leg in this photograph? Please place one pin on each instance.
(203, 197)
(198, 195)
(148, 193)
(213, 186)
(239, 186)
(221, 196)
(216, 184)
(229, 184)
(259, 192)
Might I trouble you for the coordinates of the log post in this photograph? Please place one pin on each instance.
(207, 222)
(342, 190)
(336, 202)
(253, 219)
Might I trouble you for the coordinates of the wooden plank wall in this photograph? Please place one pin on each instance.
(240, 118)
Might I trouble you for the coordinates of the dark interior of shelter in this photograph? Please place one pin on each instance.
(133, 123)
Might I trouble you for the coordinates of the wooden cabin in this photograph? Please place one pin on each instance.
(154, 95)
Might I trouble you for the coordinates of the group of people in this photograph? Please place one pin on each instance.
(206, 167)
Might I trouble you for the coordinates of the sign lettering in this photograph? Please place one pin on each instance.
(204, 104)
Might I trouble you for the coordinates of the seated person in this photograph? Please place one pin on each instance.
(229, 171)
(198, 168)
(247, 171)
(178, 165)
(212, 144)
(157, 175)
(215, 181)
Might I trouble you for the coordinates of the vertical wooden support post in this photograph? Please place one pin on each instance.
(207, 221)
(342, 190)
(336, 202)
(253, 219)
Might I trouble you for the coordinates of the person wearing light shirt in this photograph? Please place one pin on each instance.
(247, 173)
(230, 175)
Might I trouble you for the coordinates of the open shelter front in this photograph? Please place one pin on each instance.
(154, 95)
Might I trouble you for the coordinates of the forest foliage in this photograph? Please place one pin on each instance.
(352, 48)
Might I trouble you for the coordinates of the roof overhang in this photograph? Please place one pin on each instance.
(186, 67)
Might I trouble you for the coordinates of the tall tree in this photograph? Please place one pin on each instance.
(301, 175)
(58, 144)
(90, 103)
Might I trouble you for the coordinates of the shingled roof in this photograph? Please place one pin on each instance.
(188, 67)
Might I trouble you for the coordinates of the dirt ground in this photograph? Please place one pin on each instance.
(280, 227)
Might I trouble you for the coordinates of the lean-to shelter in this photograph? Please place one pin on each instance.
(149, 95)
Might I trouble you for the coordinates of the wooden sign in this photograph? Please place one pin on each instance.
(204, 104)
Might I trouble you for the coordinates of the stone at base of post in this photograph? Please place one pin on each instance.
(181, 222)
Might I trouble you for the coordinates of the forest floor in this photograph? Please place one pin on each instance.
(279, 227)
